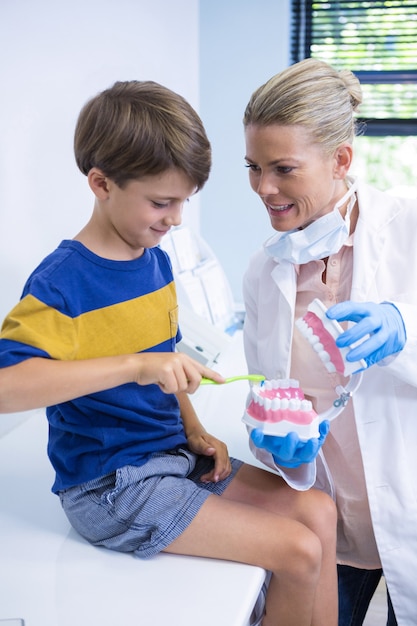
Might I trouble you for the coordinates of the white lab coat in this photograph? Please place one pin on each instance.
(385, 405)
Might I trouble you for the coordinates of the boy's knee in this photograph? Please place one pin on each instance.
(303, 564)
(308, 555)
(324, 513)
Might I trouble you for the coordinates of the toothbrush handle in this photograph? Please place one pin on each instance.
(253, 377)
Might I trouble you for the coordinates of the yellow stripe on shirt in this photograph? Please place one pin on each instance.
(123, 328)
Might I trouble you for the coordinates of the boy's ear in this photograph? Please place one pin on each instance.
(98, 183)
(342, 160)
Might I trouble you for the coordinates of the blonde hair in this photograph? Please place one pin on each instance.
(311, 94)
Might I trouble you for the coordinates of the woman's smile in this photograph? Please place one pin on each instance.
(295, 180)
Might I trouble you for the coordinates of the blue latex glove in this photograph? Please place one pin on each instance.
(290, 451)
(383, 322)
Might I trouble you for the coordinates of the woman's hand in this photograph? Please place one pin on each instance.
(379, 327)
(203, 443)
(291, 451)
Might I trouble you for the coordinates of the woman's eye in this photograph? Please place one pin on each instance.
(159, 205)
(252, 167)
(284, 170)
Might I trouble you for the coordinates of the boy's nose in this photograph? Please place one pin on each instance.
(174, 217)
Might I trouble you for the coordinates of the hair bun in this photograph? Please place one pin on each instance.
(353, 86)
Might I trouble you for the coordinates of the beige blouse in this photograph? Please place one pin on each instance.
(356, 542)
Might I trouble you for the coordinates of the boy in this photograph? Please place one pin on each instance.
(93, 339)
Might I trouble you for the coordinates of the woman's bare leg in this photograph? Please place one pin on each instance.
(261, 521)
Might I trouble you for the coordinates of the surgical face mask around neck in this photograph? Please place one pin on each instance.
(320, 239)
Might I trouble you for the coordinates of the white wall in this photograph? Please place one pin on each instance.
(54, 55)
(242, 44)
(57, 54)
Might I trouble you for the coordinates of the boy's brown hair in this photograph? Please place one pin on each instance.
(140, 128)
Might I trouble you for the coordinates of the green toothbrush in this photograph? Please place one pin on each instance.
(254, 377)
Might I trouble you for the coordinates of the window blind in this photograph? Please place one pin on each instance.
(378, 42)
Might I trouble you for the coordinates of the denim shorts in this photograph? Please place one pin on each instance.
(143, 509)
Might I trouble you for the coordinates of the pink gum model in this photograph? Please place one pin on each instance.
(279, 407)
(321, 333)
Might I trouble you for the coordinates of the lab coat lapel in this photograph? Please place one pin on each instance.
(370, 244)
(369, 241)
(284, 276)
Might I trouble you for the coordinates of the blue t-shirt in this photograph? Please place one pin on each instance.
(77, 305)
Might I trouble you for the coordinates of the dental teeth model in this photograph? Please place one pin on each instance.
(279, 407)
(321, 333)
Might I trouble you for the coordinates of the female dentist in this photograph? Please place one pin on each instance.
(354, 248)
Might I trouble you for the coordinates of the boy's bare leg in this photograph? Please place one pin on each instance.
(312, 508)
(261, 521)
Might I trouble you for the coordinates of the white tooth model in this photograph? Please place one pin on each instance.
(279, 407)
(321, 333)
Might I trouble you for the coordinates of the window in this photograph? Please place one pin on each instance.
(378, 42)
